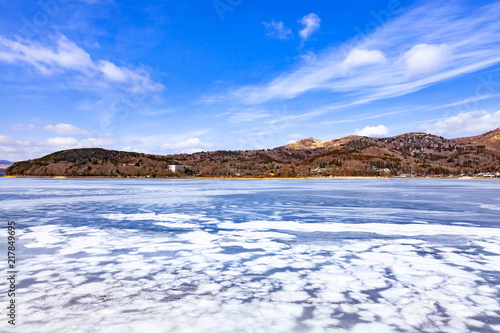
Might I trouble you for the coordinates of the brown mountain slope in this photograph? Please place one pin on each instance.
(491, 140)
(311, 143)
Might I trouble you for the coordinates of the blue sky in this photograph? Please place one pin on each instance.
(183, 76)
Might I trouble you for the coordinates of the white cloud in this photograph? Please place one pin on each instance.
(426, 59)
(358, 57)
(474, 122)
(69, 142)
(62, 142)
(64, 129)
(20, 127)
(311, 23)
(8, 151)
(65, 57)
(111, 71)
(7, 140)
(380, 130)
(192, 143)
(157, 112)
(96, 142)
(12, 149)
(16, 150)
(308, 57)
(153, 143)
(277, 30)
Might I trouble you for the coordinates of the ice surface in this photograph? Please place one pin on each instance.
(255, 256)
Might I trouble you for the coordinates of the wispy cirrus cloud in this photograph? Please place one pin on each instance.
(423, 46)
(277, 30)
(467, 102)
(149, 112)
(311, 23)
(64, 57)
(248, 116)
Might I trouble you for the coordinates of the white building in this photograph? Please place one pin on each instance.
(176, 167)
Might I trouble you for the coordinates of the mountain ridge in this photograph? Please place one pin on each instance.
(410, 153)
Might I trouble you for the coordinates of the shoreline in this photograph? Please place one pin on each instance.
(251, 178)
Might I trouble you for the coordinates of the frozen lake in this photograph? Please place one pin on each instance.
(363, 255)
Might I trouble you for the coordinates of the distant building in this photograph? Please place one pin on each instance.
(487, 174)
(320, 170)
(176, 167)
